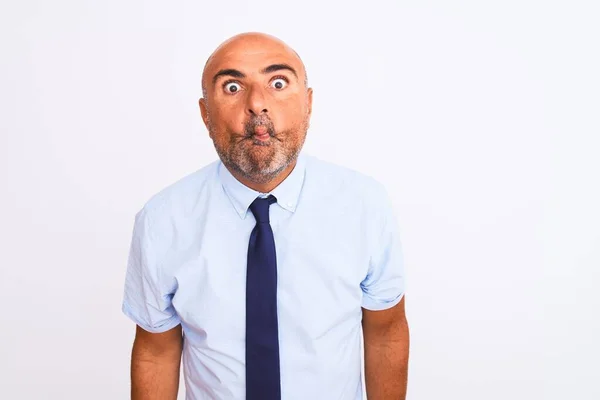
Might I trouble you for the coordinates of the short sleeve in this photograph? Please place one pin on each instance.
(384, 285)
(145, 300)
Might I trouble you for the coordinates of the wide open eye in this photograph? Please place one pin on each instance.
(279, 83)
(232, 87)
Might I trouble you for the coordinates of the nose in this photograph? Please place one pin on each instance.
(256, 102)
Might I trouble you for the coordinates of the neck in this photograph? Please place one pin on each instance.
(266, 187)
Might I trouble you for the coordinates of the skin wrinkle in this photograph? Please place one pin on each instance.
(252, 61)
(205, 94)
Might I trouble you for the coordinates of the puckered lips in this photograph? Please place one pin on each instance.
(261, 132)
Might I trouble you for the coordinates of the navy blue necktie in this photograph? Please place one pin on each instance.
(262, 338)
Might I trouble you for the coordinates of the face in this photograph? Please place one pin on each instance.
(256, 107)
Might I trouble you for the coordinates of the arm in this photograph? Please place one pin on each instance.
(155, 362)
(156, 353)
(386, 338)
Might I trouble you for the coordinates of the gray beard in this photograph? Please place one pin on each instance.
(260, 171)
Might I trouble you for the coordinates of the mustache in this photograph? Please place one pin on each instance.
(256, 121)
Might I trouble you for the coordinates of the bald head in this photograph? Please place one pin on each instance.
(251, 45)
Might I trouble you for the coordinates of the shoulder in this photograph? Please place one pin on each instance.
(335, 178)
(180, 196)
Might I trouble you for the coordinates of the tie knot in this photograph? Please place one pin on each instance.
(260, 208)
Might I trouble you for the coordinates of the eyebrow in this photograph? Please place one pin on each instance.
(228, 72)
(279, 67)
(239, 74)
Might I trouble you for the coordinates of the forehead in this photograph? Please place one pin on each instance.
(250, 57)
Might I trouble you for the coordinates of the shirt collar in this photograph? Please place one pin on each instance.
(287, 193)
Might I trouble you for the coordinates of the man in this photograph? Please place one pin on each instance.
(266, 269)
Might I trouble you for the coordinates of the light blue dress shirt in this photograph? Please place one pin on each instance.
(338, 250)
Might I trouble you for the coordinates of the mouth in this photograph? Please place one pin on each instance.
(259, 130)
(261, 133)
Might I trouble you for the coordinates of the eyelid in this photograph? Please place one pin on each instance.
(285, 78)
(228, 81)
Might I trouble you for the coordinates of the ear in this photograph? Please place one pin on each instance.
(204, 112)
(309, 101)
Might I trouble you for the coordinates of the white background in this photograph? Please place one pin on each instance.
(482, 118)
